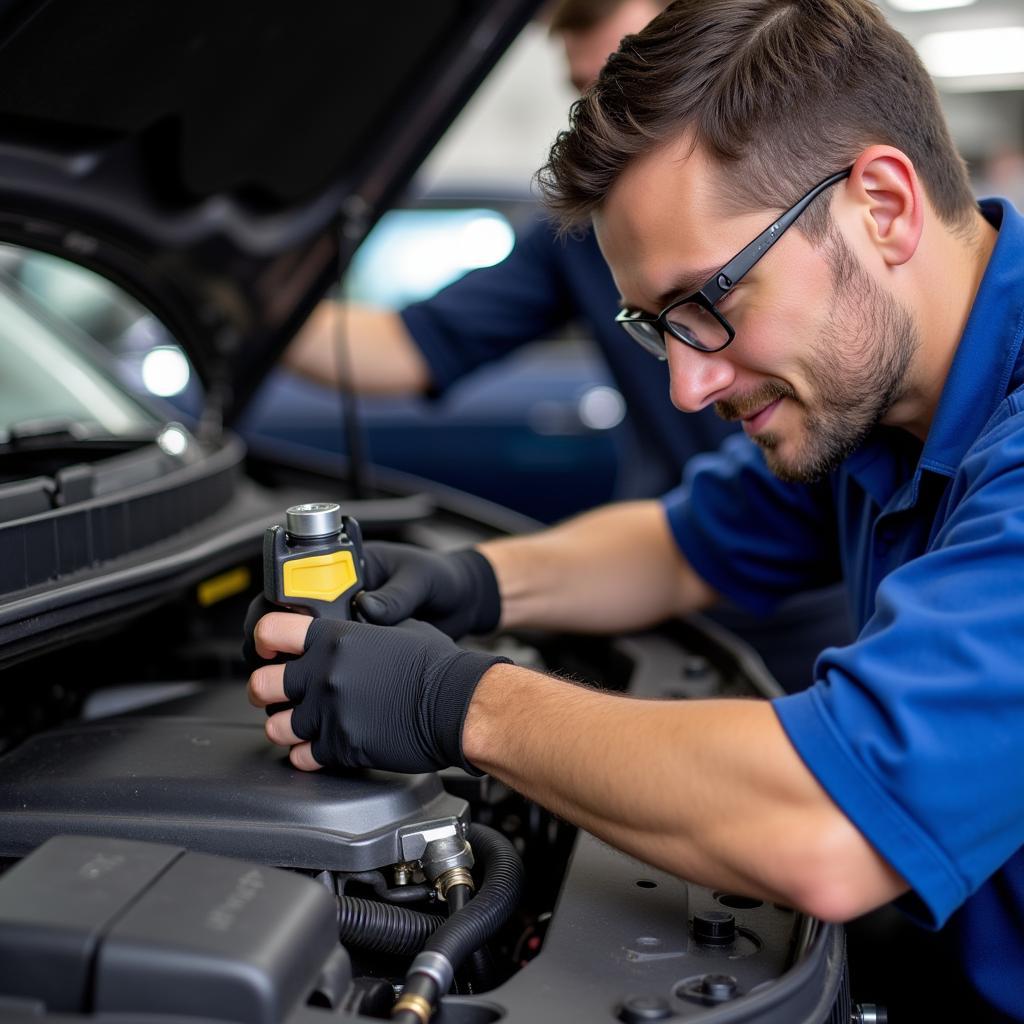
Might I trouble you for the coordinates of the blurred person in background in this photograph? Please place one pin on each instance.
(546, 282)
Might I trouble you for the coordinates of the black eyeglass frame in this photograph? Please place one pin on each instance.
(721, 282)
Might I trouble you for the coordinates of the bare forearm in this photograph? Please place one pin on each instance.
(710, 790)
(380, 356)
(616, 568)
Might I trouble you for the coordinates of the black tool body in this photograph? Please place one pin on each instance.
(314, 563)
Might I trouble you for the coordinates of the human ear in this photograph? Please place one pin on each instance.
(890, 199)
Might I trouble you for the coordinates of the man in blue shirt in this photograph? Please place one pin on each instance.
(547, 281)
(790, 227)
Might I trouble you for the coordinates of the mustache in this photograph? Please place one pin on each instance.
(742, 406)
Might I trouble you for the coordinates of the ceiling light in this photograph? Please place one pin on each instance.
(974, 52)
(913, 6)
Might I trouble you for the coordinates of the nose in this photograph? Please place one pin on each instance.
(698, 378)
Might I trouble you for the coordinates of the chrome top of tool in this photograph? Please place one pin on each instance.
(317, 519)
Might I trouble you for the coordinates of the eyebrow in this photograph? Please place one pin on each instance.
(686, 284)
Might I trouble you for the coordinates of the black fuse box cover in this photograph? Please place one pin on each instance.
(99, 925)
(54, 907)
(217, 938)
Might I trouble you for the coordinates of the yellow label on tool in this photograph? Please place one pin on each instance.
(227, 584)
(320, 577)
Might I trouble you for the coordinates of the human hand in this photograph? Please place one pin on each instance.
(456, 592)
(391, 697)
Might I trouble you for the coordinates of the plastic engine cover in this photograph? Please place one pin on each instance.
(210, 785)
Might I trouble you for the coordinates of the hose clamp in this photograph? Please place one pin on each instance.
(436, 966)
(414, 1004)
(454, 876)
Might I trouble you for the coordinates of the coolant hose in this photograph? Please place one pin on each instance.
(501, 889)
(384, 928)
(431, 972)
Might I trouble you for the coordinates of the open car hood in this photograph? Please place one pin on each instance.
(222, 161)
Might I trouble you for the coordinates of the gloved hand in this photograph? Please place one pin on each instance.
(392, 697)
(456, 592)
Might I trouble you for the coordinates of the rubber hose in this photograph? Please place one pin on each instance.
(398, 894)
(480, 965)
(384, 928)
(500, 892)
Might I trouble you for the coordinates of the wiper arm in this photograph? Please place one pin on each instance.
(47, 432)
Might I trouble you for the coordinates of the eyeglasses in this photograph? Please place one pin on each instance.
(693, 319)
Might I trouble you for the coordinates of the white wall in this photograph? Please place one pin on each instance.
(504, 134)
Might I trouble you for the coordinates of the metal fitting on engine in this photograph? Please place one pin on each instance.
(414, 1004)
(454, 876)
(446, 862)
(405, 874)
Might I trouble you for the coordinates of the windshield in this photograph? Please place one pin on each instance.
(49, 374)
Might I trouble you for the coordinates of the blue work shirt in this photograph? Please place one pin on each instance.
(916, 729)
(545, 283)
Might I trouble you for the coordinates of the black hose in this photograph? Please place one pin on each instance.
(397, 894)
(457, 896)
(470, 927)
(500, 891)
(384, 928)
(480, 964)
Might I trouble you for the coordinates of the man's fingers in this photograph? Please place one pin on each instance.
(266, 686)
(301, 756)
(281, 633)
(279, 729)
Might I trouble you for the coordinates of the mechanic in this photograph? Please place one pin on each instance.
(547, 281)
(877, 371)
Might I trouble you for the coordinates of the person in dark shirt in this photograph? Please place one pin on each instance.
(545, 283)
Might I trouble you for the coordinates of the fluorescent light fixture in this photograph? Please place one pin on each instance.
(914, 6)
(974, 53)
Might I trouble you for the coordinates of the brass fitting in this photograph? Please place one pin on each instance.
(414, 1004)
(453, 876)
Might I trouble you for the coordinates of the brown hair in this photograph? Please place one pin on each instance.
(781, 93)
(583, 15)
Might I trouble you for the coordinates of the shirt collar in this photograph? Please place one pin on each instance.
(988, 349)
(977, 381)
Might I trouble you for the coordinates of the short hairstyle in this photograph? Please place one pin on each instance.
(780, 93)
(583, 15)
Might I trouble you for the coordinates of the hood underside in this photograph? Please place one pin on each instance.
(222, 161)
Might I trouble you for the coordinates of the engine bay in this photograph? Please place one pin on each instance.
(138, 742)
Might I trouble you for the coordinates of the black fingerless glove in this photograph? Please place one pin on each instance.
(456, 592)
(391, 697)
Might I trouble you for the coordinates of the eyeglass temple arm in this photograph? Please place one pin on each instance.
(745, 259)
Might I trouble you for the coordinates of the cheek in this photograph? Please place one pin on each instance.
(779, 328)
